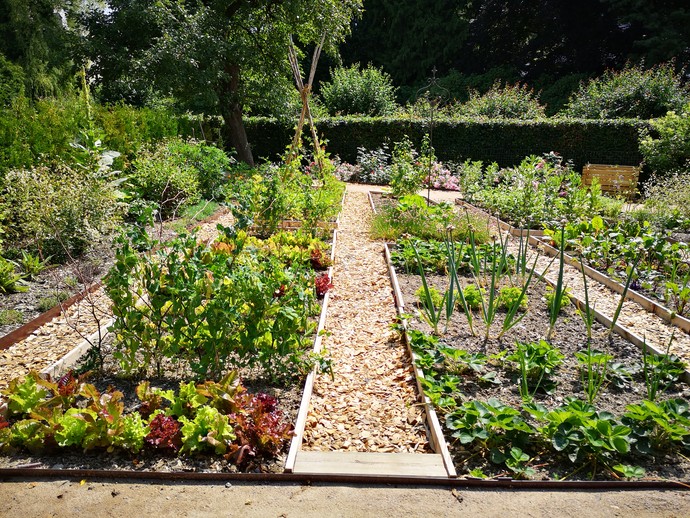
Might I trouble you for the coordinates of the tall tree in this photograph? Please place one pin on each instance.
(221, 53)
(34, 34)
(408, 38)
(549, 36)
(658, 29)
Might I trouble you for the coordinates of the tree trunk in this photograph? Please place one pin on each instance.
(231, 110)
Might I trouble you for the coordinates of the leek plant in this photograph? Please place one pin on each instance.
(559, 290)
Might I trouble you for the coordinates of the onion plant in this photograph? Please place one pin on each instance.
(631, 274)
(559, 290)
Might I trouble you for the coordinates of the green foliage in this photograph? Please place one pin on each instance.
(209, 430)
(435, 295)
(667, 201)
(35, 133)
(536, 361)
(488, 423)
(25, 396)
(406, 178)
(659, 426)
(11, 82)
(10, 317)
(211, 307)
(666, 145)
(412, 215)
(49, 302)
(211, 417)
(58, 210)
(473, 296)
(162, 177)
(550, 296)
(355, 91)
(630, 93)
(541, 190)
(32, 265)
(268, 197)
(509, 296)
(210, 164)
(505, 142)
(579, 431)
(502, 102)
(10, 280)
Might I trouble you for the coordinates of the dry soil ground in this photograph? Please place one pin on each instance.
(96, 499)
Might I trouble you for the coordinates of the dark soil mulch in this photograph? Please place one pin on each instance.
(569, 338)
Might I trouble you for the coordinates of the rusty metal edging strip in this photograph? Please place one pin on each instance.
(291, 478)
(21, 333)
(24, 331)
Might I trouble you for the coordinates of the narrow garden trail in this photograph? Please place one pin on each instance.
(370, 404)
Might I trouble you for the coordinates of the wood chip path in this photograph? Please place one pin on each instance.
(370, 405)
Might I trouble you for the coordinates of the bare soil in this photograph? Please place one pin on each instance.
(569, 338)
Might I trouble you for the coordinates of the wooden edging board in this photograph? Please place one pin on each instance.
(517, 232)
(536, 239)
(436, 438)
(60, 367)
(301, 421)
(647, 303)
(620, 330)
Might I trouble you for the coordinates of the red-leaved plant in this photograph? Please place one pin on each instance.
(260, 428)
(323, 284)
(319, 260)
(164, 433)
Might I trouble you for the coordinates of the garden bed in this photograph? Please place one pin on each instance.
(569, 339)
(171, 373)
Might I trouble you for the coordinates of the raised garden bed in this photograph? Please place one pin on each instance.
(484, 377)
(170, 374)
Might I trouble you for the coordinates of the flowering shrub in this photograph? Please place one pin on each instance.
(374, 165)
(346, 172)
(540, 190)
(440, 177)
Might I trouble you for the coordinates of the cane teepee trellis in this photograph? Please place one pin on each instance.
(305, 91)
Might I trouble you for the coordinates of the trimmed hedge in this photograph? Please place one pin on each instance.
(505, 142)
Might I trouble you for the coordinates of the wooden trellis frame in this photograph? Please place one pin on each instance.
(305, 91)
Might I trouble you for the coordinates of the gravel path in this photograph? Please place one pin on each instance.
(370, 404)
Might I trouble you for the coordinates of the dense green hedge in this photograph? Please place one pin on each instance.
(506, 142)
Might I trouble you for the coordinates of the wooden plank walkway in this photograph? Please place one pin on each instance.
(429, 465)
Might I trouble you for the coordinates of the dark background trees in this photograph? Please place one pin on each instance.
(229, 57)
(549, 44)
